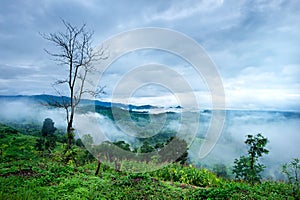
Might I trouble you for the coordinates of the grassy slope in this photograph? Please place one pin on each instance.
(25, 174)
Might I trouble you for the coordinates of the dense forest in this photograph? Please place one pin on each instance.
(37, 165)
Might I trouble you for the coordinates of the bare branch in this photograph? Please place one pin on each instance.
(57, 82)
(97, 92)
(76, 53)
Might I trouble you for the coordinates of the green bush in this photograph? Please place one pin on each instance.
(247, 167)
(188, 175)
(292, 171)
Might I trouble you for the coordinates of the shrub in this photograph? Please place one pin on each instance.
(247, 167)
(292, 171)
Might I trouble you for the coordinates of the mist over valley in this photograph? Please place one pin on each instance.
(280, 127)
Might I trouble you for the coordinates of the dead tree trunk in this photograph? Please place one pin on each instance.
(75, 52)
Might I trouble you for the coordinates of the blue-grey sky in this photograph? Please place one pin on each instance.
(254, 45)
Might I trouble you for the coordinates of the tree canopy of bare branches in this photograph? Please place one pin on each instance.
(76, 53)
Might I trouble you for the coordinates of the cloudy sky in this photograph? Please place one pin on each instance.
(253, 44)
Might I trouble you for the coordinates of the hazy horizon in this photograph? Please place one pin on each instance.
(281, 129)
(156, 106)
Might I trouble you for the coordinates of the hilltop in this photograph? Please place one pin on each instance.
(25, 173)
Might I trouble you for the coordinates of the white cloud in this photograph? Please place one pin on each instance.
(258, 87)
(186, 8)
(253, 43)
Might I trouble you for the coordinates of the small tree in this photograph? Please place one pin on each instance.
(76, 53)
(292, 171)
(79, 143)
(48, 127)
(247, 167)
(47, 141)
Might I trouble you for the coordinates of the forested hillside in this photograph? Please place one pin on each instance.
(29, 173)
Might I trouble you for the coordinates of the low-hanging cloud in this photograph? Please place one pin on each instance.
(27, 112)
(280, 128)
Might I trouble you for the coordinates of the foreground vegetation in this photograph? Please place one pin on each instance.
(26, 173)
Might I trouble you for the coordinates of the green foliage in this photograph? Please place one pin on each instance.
(188, 175)
(6, 130)
(221, 170)
(292, 171)
(174, 150)
(87, 140)
(146, 147)
(139, 166)
(247, 167)
(48, 127)
(47, 141)
(17, 147)
(25, 127)
(24, 174)
(79, 143)
(257, 145)
(61, 137)
(40, 144)
(123, 145)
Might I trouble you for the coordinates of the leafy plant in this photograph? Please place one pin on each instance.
(47, 141)
(188, 175)
(247, 167)
(292, 171)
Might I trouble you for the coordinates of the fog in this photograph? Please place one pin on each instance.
(100, 127)
(27, 111)
(281, 129)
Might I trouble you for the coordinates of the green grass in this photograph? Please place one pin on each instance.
(27, 174)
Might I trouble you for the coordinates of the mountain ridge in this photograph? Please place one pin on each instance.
(44, 98)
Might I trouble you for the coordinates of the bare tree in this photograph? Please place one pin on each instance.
(75, 52)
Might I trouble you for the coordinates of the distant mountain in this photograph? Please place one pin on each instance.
(44, 98)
